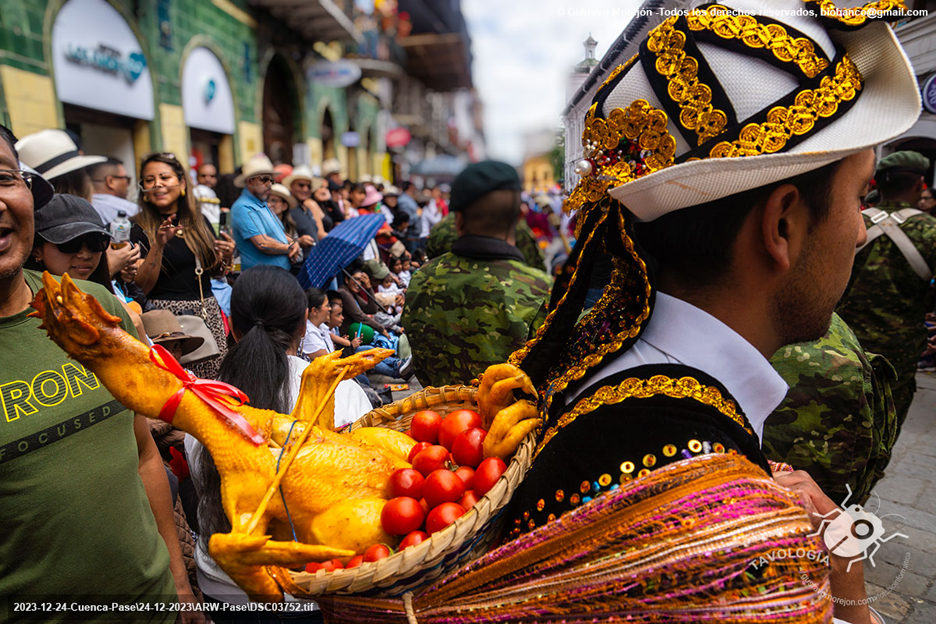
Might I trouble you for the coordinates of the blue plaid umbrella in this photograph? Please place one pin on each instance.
(336, 251)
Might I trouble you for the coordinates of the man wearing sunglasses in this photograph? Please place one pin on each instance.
(85, 500)
(257, 232)
(111, 186)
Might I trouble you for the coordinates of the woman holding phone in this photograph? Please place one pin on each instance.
(181, 251)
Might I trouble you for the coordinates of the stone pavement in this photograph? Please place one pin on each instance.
(908, 505)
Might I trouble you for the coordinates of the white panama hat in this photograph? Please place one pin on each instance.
(52, 153)
(258, 165)
(331, 166)
(717, 103)
(302, 172)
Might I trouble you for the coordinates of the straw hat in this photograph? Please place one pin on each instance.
(718, 103)
(52, 153)
(331, 166)
(258, 165)
(391, 190)
(281, 191)
(366, 178)
(302, 172)
(163, 327)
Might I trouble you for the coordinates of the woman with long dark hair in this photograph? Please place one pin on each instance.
(181, 250)
(268, 319)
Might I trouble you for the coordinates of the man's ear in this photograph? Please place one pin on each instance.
(460, 222)
(785, 220)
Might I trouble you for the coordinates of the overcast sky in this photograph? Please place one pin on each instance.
(524, 51)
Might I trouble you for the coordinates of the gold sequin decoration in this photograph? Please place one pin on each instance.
(649, 460)
(695, 446)
(784, 122)
(540, 504)
(718, 447)
(644, 472)
(774, 37)
(550, 517)
(574, 499)
(531, 524)
(669, 450)
(560, 496)
(682, 388)
(526, 515)
(604, 480)
(627, 467)
(584, 487)
(858, 15)
(639, 122)
(625, 478)
(617, 70)
(682, 74)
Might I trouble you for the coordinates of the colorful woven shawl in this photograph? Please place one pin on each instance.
(709, 539)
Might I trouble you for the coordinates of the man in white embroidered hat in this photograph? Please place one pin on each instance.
(724, 169)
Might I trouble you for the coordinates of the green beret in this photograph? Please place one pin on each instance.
(904, 161)
(479, 179)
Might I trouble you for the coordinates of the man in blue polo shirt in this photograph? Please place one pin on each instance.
(258, 234)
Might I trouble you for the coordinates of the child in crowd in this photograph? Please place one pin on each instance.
(396, 269)
(335, 319)
(419, 258)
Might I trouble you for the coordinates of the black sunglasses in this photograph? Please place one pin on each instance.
(95, 243)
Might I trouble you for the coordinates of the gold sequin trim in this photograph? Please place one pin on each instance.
(639, 123)
(858, 15)
(604, 480)
(669, 450)
(540, 505)
(718, 447)
(695, 446)
(683, 388)
(560, 496)
(748, 30)
(574, 499)
(584, 487)
(682, 74)
(644, 472)
(550, 517)
(649, 460)
(617, 70)
(627, 467)
(784, 122)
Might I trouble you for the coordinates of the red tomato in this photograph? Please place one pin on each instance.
(329, 566)
(416, 450)
(407, 482)
(355, 561)
(409, 432)
(487, 474)
(376, 552)
(455, 423)
(442, 516)
(313, 567)
(424, 505)
(467, 448)
(467, 475)
(402, 515)
(468, 500)
(425, 426)
(431, 459)
(416, 537)
(443, 486)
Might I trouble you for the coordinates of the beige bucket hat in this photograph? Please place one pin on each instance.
(52, 153)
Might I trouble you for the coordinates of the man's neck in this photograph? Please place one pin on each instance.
(15, 295)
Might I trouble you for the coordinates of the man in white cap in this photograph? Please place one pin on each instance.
(258, 234)
(83, 481)
(723, 173)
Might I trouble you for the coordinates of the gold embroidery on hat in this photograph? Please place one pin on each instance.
(783, 122)
(727, 25)
(856, 16)
(682, 388)
(617, 70)
(681, 71)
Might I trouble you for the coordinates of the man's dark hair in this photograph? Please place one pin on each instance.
(891, 184)
(333, 296)
(405, 186)
(400, 219)
(358, 188)
(7, 135)
(95, 170)
(697, 243)
(493, 214)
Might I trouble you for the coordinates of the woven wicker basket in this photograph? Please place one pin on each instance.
(468, 538)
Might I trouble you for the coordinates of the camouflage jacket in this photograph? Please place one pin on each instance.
(838, 421)
(444, 235)
(886, 302)
(471, 308)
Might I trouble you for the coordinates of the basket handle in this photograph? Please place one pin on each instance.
(408, 607)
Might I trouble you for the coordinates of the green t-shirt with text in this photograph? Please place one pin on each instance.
(77, 525)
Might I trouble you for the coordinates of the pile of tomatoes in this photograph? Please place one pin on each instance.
(449, 475)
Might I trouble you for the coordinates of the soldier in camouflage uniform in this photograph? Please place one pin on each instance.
(838, 421)
(444, 235)
(887, 301)
(475, 305)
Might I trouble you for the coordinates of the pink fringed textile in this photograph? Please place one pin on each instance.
(709, 539)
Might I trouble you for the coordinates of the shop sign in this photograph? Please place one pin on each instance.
(351, 139)
(398, 137)
(207, 101)
(109, 60)
(929, 94)
(337, 74)
(98, 61)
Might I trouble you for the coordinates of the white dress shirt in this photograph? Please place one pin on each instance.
(680, 333)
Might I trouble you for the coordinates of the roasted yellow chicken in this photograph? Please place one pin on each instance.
(332, 493)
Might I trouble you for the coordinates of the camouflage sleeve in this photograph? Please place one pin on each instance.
(441, 237)
(526, 243)
(837, 422)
